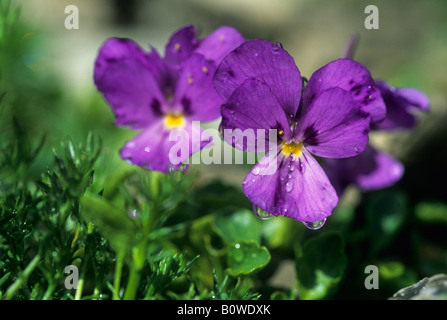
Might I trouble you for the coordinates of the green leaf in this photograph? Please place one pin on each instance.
(320, 265)
(164, 270)
(114, 223)
(237, 226)
(245, 257)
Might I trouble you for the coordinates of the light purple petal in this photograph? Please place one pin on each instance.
(333, 126)
(370, 170)
(400, 105)
(123, 75)
(265, 61)
(351, 76)
(299, 190)
(180, 46)
(219, 43)
(195, 95)
(386, 172)
(414, 97)
(153, 149)
(253, 107)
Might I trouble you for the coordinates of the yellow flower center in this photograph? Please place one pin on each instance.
(289, 148)
(174, 121)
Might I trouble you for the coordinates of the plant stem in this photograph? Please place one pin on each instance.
(12, 290)
(117, 277)
(78, 294)
(132, 285)
(49, 291)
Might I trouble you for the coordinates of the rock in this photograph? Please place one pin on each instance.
(433, 288)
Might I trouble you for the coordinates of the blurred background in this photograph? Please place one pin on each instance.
(54, 93)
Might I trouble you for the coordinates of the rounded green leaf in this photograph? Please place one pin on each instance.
(239, 225)
(245, 257)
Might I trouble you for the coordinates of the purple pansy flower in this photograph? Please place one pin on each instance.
(329, 118)
(159, 94)
(375, 169)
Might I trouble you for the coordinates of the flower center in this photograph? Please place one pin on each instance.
(174, 121)
(289, 148)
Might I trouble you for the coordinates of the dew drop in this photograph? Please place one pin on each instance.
(301, 167)
(256, 171)
(147, 149)
(132, 213)
(289, 186)
(315, 225)
(356, 149)
(276, 47)
(238, 254)
(261, 214)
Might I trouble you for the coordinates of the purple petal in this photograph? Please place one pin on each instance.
(351, 76)
(181, 45)
(414, 97)
(333, 126)
(165, 76)
(299, 189)
(219, 43)
(265, 61)
(123, 74)
(370, 170)
(253, 107)
(153, 149)
(400, 103)
(195, 95)
(114, 50)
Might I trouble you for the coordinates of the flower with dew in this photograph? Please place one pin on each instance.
(328, 118)
(375, 169)
(157, 94)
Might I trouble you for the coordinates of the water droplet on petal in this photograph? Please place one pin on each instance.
(147, 149)
(289, 186)
(356, 149)
(256, 171)
(276, 47)
(315, 225)
(261, 214)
